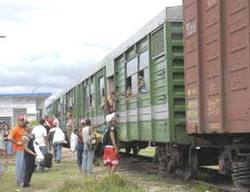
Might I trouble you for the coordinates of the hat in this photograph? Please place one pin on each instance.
(82, 121)
(20, 118)
(110, 117)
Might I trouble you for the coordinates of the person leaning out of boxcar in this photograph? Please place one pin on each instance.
(141, 85)
(111, 151)
(29, 154)
(129, 92)
(110, 101)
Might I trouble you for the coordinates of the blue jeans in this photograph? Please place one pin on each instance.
(87, 161)
(57, 147)
(43, 149)
(79, 150)
(1, 167)
(20, 167)
(8, 147)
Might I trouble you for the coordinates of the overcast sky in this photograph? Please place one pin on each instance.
(51, 42)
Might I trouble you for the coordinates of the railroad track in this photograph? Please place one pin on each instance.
(146, 165)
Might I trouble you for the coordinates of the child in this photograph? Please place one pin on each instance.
(7, 142)
(2, 150)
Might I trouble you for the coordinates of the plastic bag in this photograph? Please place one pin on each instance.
(73, 141)
(59, 136)
(39, 155)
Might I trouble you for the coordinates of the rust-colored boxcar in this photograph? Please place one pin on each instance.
(217, 61)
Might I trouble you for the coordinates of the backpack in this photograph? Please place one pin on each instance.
(92, 141)
(105, 137)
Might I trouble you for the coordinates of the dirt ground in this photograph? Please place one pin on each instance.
(55, 178)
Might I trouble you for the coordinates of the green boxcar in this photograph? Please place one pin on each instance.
(158, 113)
(155, 113)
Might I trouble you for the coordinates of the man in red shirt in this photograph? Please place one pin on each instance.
(16, 138)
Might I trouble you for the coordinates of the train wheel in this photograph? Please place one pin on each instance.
(127, 149)
(241, 172)
(191, 165)
(163, 160)
(135, 149)
(170, 159)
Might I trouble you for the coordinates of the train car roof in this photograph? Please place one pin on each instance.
(169, 14)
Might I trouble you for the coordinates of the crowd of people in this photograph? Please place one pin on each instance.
(89, 142)
(31, 144)
(21, 141)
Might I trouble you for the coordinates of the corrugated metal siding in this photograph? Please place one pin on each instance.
(157, 43)
(217, 44)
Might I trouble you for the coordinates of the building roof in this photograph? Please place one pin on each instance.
(25, 95)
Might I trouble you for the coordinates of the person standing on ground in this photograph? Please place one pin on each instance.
(7, 142)
(2, 149)
(16, 138)
(88, 151)
(111, 156)
(40, 134)
(79, 147)
(70, 125)
(29, 154)
(47, 123)
(57, 138)
(55, 120)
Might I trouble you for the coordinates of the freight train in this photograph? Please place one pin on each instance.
(197, 119)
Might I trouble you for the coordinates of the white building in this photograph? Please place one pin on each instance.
(31, 105)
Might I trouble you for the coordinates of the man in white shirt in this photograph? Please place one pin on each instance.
(40, 134)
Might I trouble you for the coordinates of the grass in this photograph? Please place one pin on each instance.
(111, 183)
(41, 181)
(65, 177)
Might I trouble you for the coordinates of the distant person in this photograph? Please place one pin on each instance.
(40, 134)
(29, 154)
(79, 147)
(129, 91)
(110, 101)
(141, 85)
(16, 138)
(111, 151)
(51, 135)
(58, 138)
(70, 125)
(55, 121)
(2, 149)
(7, 142)
(88, 152)
(48, 122)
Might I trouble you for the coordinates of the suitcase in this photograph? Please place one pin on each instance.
(48, 160)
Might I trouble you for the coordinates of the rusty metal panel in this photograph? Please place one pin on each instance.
(216, 37)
